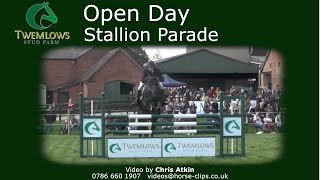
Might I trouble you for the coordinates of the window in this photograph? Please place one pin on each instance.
(125, 88)
(279, 64)
(270, 65)
(49, 97)
(63, 97)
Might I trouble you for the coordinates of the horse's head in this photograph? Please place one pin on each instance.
(152, 84)
(51, 16)
(152, 81)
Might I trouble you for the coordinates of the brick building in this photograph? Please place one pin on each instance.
(271, 75)
(91, 70)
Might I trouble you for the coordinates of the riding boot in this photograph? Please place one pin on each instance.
(138, 97)
(137, 101)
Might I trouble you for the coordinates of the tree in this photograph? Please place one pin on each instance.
(156, 56)
(139, 51)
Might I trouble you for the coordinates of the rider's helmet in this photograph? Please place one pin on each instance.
(150, 65)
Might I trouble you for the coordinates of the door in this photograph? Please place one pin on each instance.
(118, 91)
(112, 91)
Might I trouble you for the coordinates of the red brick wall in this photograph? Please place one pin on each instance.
(87, 60)
(57, 72)
(74, 93)
(119, 67)
(274, 64)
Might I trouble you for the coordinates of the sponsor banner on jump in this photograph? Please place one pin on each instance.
(232, 126)
(131, 148)
(188, 147)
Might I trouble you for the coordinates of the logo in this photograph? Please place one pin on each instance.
(115, 148)
(230, 126)
(40, 17)
(94, 128)
(33, 12)
(169, 147)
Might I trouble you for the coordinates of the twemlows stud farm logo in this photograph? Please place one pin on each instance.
(41, 17)
(114, 148)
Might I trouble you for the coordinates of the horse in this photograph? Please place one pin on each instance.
(150, 101)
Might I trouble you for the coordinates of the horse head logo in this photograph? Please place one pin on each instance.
(114, 148)
(169, 147)
(228, 126)
(34, 10)
(91, 126)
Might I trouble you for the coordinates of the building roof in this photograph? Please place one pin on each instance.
(257, 59)
(99, 64)
(136, 57)
(259, 51)
(102, 61)
(258, 55)
(73, 52)
(203, 61)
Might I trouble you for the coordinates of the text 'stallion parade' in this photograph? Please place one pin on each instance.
(164, 34)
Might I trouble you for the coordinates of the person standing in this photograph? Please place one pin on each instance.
(50, 117)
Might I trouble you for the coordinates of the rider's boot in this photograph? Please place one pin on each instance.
(137, 101)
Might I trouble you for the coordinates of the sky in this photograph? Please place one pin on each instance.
(165, 51)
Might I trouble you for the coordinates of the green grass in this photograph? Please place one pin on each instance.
(261, 148)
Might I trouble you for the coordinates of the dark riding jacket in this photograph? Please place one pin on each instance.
(156, 73)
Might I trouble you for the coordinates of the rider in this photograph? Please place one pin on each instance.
(150, 71)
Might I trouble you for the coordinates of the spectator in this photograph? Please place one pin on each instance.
(233, 91)
(184, 109)
(211, 92)
(217, 92)
(268, 127)
(267, 119)
(64, 129)
(257, 123)
(203, 97)
(262, 105)
(215, 109)
(206, 106)
(74, 124)
(192, 110)
(278, 121)
(215, 106)
(201, 91)
(50, 118)
(198, 97)
(177, 105)
(247, 104)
